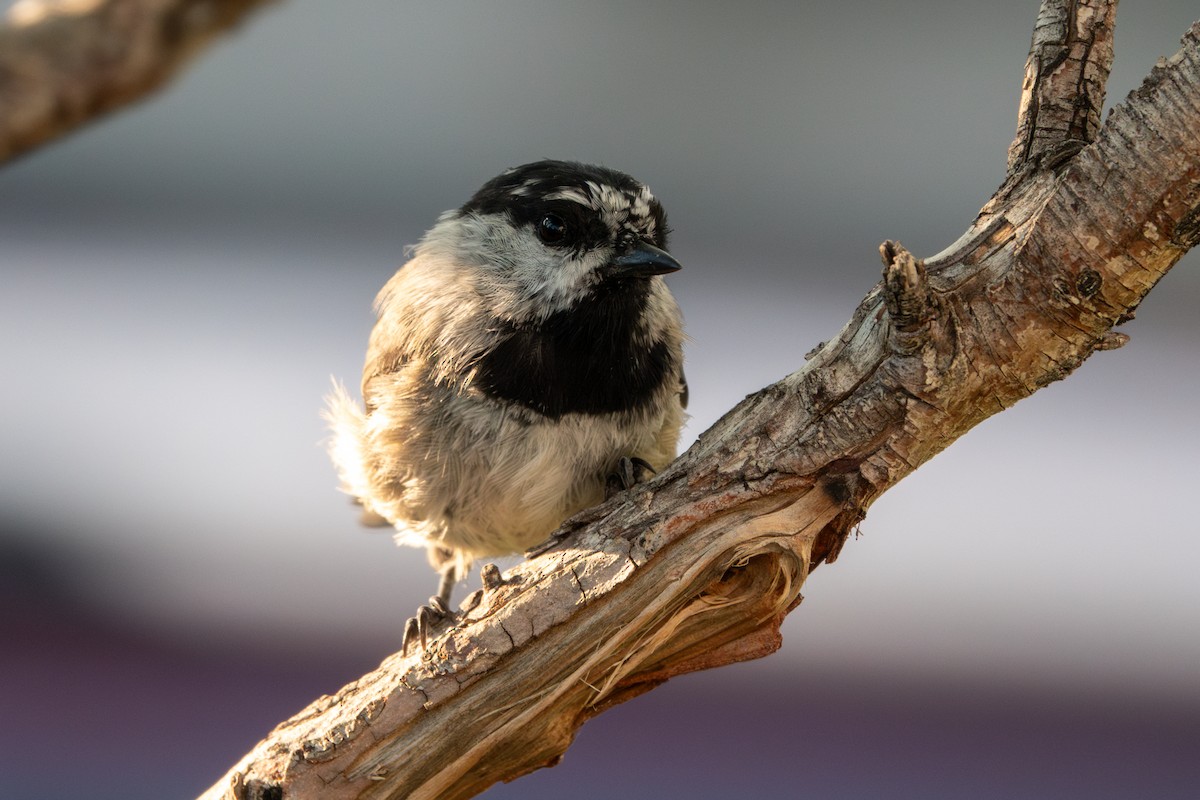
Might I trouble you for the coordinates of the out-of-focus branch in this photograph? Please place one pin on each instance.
(64, 63)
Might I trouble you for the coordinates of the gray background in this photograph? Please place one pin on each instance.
(178, 573)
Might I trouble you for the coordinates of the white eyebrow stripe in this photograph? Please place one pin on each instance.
(617, 208)
(641, 205)
(574, 195)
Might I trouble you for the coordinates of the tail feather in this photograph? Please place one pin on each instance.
(348, 422)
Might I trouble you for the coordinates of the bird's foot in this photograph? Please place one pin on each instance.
(428, 617)
(630, 472)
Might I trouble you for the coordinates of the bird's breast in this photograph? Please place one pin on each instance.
(594, 358)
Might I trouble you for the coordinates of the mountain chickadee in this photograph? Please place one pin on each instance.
(526, 354)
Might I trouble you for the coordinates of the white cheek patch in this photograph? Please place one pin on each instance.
(518, 277)
(548, 280)
(566, 283)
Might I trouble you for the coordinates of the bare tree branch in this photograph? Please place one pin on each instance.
(64, 63)
(698, 567)
(1065, 78)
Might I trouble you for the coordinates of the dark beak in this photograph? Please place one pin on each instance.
(642, 261)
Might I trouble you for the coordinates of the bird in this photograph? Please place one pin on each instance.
(525, 364)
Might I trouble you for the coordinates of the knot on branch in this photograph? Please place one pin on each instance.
(1113, 340)
(906, 292)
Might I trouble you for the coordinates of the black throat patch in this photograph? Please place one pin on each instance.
(588, 359)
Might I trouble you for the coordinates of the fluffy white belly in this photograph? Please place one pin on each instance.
(481, 481)
(509, 491)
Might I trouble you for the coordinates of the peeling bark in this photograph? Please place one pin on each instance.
(698, 568)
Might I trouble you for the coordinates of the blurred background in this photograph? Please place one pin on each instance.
(178, 572)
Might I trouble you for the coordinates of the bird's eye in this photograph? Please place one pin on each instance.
(551, 229)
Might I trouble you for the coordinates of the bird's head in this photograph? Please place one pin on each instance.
(547, 235)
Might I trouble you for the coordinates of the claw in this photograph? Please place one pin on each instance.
(630, 472)
(419, 627)
(411, 631)
(438, 606)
